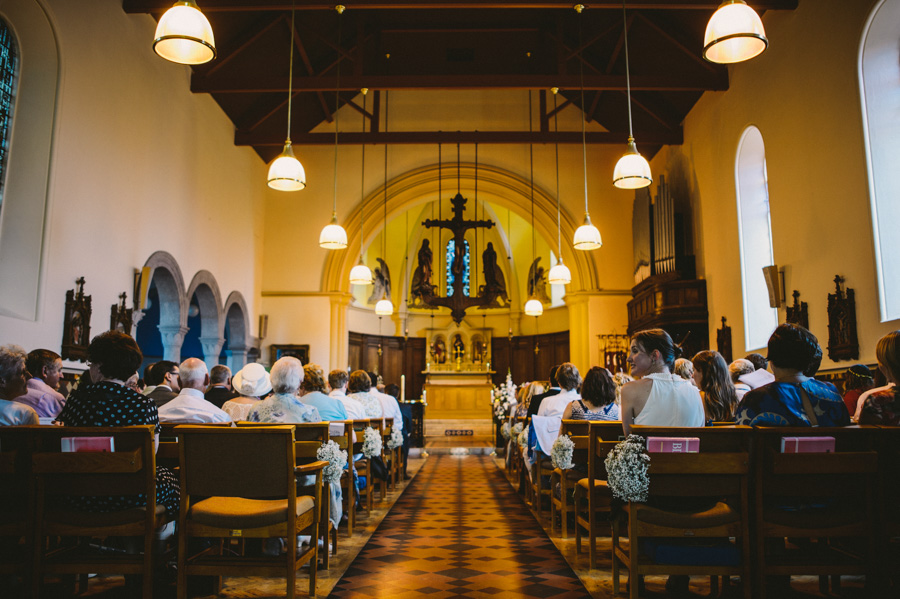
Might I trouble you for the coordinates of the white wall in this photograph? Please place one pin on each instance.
(138, 164)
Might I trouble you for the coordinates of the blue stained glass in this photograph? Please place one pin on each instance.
(451, 251)
(9, 66)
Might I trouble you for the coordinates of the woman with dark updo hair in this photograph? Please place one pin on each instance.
(113, 357)
(794, 399)
(598, 398)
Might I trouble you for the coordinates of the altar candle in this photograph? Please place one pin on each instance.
(402, 387)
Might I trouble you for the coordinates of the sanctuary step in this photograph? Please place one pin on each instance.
(446, 434)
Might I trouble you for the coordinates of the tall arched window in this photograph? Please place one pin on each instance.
(879, 80)
(450, 257)
(9, 71)
(755, 237)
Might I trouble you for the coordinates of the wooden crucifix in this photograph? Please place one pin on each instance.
(458, 302)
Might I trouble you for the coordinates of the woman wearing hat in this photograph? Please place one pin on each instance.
(253, 383)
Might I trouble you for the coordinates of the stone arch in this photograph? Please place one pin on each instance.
(238, 320)
(420, 186)
(212, 318)
(173, 303)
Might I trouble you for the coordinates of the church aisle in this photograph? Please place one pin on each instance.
(459, 530)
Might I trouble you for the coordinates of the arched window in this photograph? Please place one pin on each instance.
(755, 237)
(9, 71)
(450, 257)
(879, 80)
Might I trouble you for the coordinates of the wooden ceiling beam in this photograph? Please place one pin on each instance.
(317, 83)
(656, 136)
(160, 6)
(235, 46)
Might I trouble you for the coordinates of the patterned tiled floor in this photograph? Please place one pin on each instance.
(459, 530)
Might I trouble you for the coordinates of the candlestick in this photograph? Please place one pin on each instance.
(402, 387)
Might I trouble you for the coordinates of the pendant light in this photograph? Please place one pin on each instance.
(184, 35)
(385, 307)
(632, 170)
(286, 173)
(533, 306)
(587, 237)
(333, 236)
(361, 274)
(734, 34)
(559, 274)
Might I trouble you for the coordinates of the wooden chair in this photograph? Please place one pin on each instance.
(379, 425)
(562, 506)
(253, 496)
(393, 454)
(348, 496)
(362, 466)
(540, 470)
(592, 501)
(167, 450)
(887, 492)
(17, 492)
(130, 470)
(697, 496)
(821, 496)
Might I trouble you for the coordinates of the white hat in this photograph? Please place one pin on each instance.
(252, 380)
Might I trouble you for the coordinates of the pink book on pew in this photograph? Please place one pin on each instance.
(807, 445)
(673, 444)
(88, 444)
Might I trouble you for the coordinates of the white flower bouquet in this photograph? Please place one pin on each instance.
(506, 431)
(518, 428)
(523, 437)
(336, 458)
(627, 466)
(396, 439)
(371, 443)
(561, 454)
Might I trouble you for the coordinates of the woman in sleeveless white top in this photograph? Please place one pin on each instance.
(673, 401)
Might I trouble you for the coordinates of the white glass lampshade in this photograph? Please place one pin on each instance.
(184, 35)
(533, 307)
(384, 307)
(360, 274)
(559, 274)
(587, 237)
(632, 170)
(333, 236)
(286, 173)
(734, 33)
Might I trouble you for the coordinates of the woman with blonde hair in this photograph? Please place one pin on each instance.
(883, 407)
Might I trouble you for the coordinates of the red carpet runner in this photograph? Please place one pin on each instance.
(459, 530)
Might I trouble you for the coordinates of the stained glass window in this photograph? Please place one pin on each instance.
(9, 64)
(450, 256)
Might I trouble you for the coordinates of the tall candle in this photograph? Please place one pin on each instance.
(402, 387)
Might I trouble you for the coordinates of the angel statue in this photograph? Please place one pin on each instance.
(382, 279)
(537, 282)
(494, 282)
(421, 286)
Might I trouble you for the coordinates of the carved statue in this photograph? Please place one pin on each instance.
(382, 280)
(459, 348)
(493, 276)
(421, 280)
(537, 282)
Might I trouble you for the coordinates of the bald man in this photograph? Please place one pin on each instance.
(189, 406)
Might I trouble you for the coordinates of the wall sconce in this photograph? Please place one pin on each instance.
(775, 284)
(263, 326)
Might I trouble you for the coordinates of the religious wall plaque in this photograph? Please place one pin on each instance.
(120, 316)
(842, 341)
(798, 313)
(76, 323)
(301, 352)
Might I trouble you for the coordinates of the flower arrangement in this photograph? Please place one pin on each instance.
(523, 437)
(503, 397)
(627, 466)
(561, 454)
(336, 458)
(518, 428)
(506, 431)
(371, 443)
(396, 439)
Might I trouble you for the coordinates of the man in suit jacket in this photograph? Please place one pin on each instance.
(219, 390)
(168, 389)
(553, 390)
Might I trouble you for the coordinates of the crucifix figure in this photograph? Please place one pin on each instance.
(458, 303)
(79, 287)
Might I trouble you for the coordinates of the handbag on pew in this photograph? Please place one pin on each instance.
(379, 469)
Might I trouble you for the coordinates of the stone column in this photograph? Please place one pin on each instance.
(212, 347)
(339, 349)
(172, 339)
(237, 358)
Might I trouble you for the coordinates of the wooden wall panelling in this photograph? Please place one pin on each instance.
(413, 367)
(499, 359)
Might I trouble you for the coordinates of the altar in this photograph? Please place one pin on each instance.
(458, 374)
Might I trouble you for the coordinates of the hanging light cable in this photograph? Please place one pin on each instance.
(632, 170)
(559, 274)
(533, 306)
(333, 236)
(734, 33)
(587, 237)
(286, 173)
(385, 307)
(361, 274)
(184, 35)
